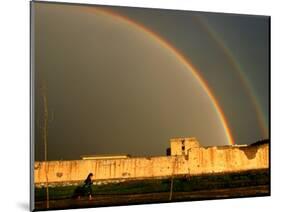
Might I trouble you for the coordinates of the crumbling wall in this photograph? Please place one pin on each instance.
(67, 171)
(181, 146)
(228, 159)
(198, 161)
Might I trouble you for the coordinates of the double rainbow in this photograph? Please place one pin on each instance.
(180, 57)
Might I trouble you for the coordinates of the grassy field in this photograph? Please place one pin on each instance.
(181, 184)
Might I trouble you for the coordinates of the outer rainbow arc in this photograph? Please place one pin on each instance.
(214, 35)
(187, 63)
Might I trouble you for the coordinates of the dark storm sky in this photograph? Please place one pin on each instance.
(246, 37)
(112, 90)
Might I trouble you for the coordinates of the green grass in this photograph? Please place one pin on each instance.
(180, 184)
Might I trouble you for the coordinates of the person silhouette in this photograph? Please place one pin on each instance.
(87, 187)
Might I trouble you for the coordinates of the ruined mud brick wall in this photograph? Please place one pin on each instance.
(228, 159)
(76, 170)
(199, 160)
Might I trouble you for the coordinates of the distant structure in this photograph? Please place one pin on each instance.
(102, 157)
(181, 146)
(184, 157)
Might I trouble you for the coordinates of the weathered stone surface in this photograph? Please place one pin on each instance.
(195, 160)
(181, 146)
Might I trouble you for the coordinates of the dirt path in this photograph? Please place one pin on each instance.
(110, 200)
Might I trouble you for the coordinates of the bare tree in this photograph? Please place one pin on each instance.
(172, 177)
(45, 138)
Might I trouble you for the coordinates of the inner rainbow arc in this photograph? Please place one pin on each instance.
(186, 62)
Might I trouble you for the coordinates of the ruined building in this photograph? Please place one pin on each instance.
(184, 157)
